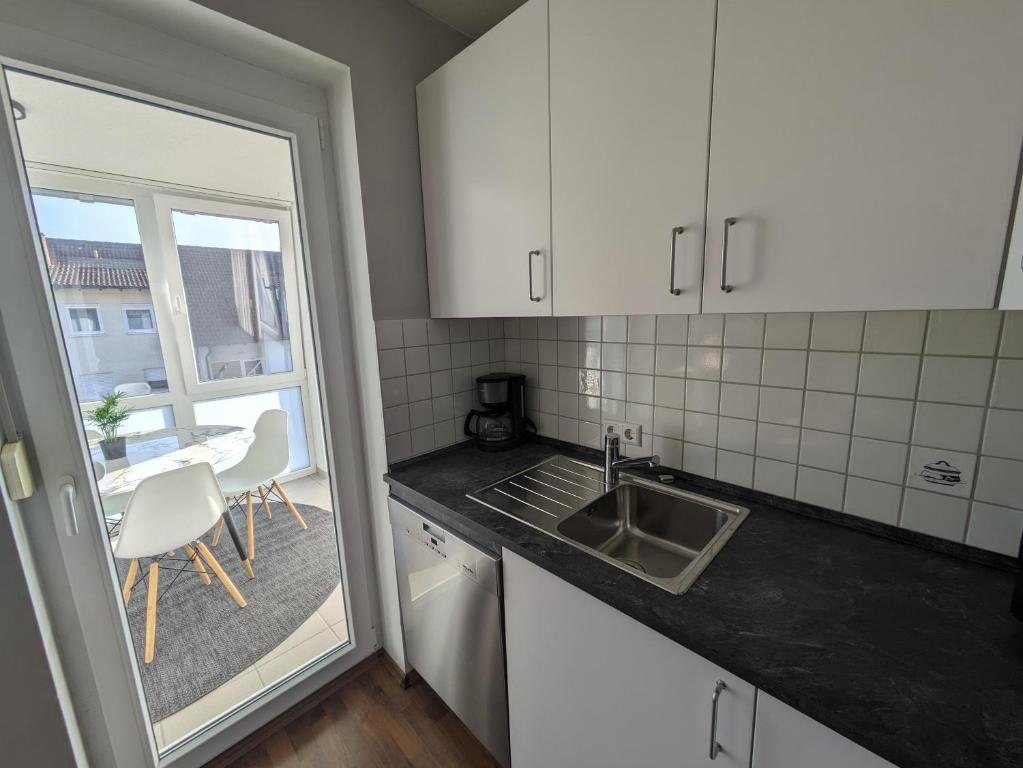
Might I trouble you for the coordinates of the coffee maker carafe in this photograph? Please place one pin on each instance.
(502, 423)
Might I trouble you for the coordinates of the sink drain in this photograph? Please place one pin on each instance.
(635, 564)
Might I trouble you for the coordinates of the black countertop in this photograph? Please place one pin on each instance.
(910, 652)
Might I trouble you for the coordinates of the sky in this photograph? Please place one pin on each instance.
(68, 217)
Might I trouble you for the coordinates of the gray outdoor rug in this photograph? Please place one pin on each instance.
(203, 638)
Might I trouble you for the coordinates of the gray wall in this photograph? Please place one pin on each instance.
(390, 46)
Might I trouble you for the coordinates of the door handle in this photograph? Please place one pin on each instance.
(715, 748)
(729, 223)
(68, 495)
(675, 232)
(531, 296)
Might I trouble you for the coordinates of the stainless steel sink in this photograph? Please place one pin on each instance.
(662, 534)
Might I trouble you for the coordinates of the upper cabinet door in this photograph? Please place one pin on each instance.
(867, 151)
(484, 141)
(630, 107)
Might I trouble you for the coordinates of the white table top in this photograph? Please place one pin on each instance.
(150, 453)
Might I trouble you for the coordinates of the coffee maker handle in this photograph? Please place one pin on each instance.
(468, 420)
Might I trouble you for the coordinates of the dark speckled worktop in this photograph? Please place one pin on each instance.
(910, 652)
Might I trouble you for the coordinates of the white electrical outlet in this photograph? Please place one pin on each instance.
(630, 434)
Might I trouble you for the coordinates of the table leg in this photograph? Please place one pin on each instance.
(242, 555)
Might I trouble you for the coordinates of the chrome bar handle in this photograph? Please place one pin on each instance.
(715, 748)
(675, 232)
(531, 296)
(68, 496)
(729, 223)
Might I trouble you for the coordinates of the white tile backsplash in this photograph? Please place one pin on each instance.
(845, 410)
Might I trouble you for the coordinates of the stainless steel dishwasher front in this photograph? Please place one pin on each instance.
(450, 596)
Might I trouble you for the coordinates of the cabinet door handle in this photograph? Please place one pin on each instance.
(675, 232)
(729, 223)
(715, 748)
(531, 296)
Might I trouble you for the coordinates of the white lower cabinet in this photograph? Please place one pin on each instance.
(786, 738)
(591, 687)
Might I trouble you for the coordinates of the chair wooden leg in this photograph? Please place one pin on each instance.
(250, 525)
(224, 578)
(217, 531)
(263, 494)
(129, 581)
(154, 580)
(199, 567)
(289, 505)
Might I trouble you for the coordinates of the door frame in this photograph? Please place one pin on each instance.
(93, 653)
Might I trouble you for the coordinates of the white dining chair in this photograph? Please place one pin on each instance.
(266, 458)
(152, 527)
(134, 389)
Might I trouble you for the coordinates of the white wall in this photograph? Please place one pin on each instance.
(390, 46)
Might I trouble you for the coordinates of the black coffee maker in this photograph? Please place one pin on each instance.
(503, 423)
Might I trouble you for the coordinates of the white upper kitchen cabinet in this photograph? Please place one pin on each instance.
(589, 687)
(867, 151)
(786, 738)
(630, 110)
(484, 142)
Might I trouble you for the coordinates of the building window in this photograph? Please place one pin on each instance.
(84, 321)
(139, 318)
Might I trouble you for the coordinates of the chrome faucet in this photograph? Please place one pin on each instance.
(612, 463)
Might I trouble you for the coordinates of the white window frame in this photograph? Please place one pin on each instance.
(72, 331)
(125, 308)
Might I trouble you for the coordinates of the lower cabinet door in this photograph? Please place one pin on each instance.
(591, 687)
(786, 738)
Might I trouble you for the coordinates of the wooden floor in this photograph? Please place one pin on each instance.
(370, 721)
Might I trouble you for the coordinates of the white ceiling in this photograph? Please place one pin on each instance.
(470, 17)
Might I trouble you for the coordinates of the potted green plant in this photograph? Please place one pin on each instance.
(107, 417)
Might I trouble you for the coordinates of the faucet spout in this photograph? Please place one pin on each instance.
(612, 462)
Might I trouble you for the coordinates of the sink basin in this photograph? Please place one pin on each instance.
(659, 533)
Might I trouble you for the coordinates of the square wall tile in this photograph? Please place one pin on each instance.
(699, 459)
(393, 391)
(568, 404)
(744, 330)
(511, 328)
(529, 350)
(961, 380)
(479, 352)
(590, 328)
(642, 414)
(668, 392)
(995, 528)
(417, 360)
(739, 400)
(963, 332)
(568, 352)
(513, 350)
(392, 363)
(1012, 335)
(415, 333)
(787, 330)
(589, 408)
(741, 366)
(440, 357)
(1008, 387)
(459, 329)
(639, 388)
(421, 413)
(548, 401)
(590, 434)
(616, 328)
(888, 375)
(669, 450)
(784, 368)
(443, 409)
(529, 328)
(1000, 481)
(568, 329)
(640, 358)
(737, 435)
(1003, 435)
(901, 332)
(948, 426)
(438, 331)
(833, 371)
(613, 356)
(837, 331)
(612, 384)
(612, 410)
(668, 422)
(672, 329)
(444, 433)
(872, 500)
(941, 471)
(589, 354)
(702, 396)
(568, 430)
(701, 428)
(706, 330)
(828, 411)
(588, 381)
(389, 335)
(775, 477)
(703, 363)
(495, 328)
(823, 450)
(548, 349)
(933, 514)
(882, 418)
(398, 446)
(878, 459)
(780, 406)
(642, 329)
(547, 327)
(396, 419)
(423, 440)
(440, 383)
(778, 442)
(735, 468)
(824, 489)
(549, 376)
(670, 361)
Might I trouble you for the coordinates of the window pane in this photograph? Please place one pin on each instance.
(243, 410)
(140, 320)
(96, 266)
(233, 277)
